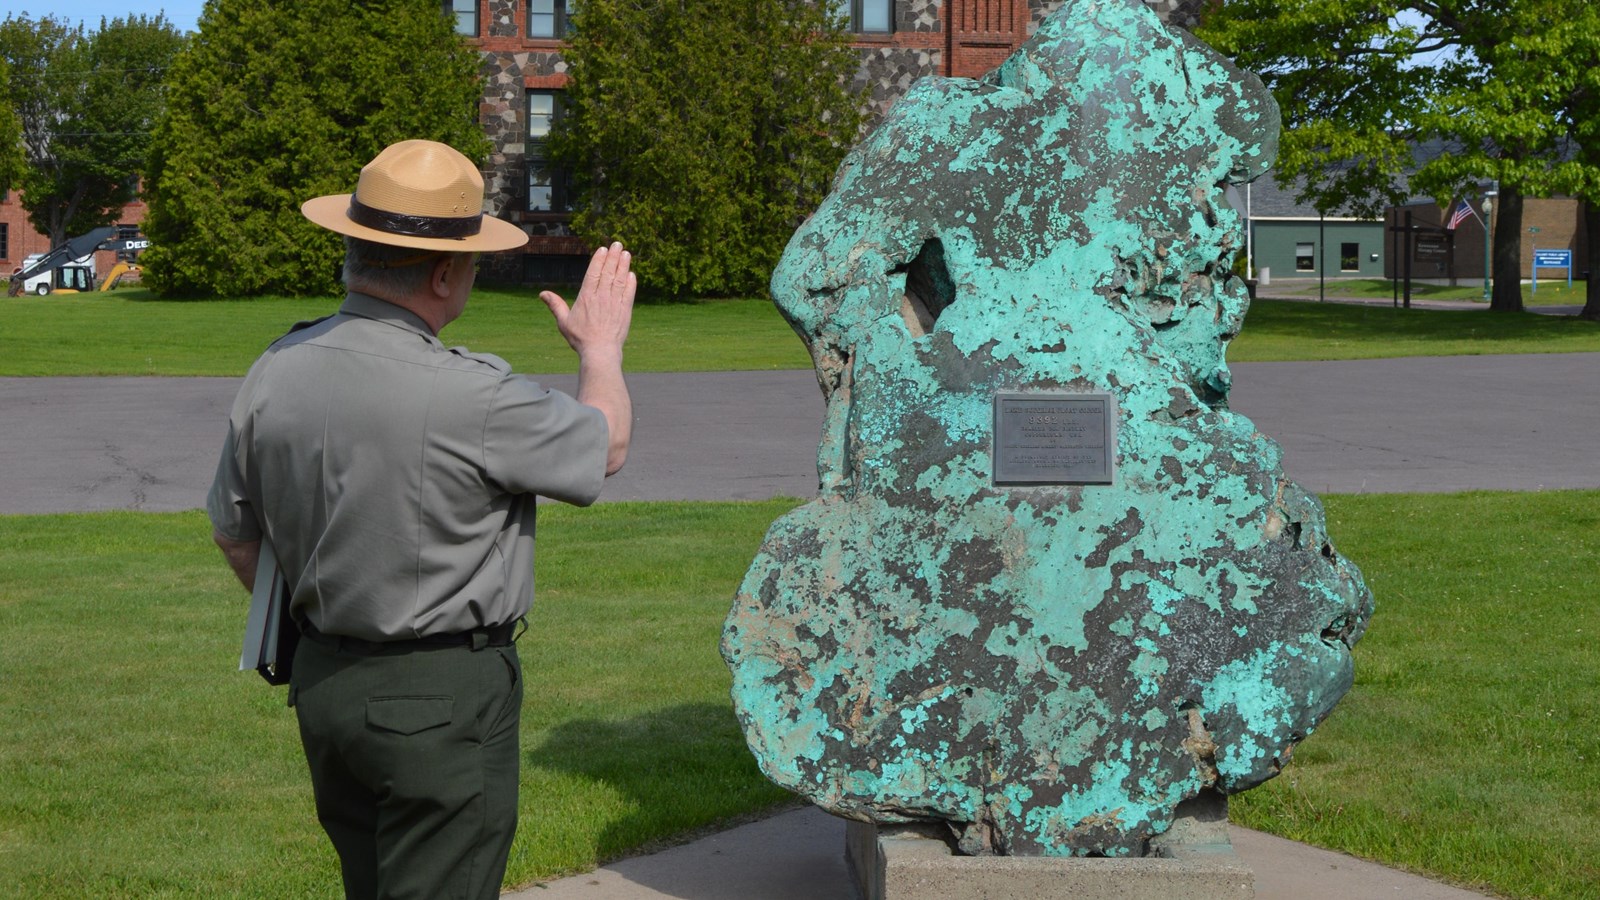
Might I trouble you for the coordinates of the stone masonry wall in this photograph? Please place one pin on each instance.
(917, 16)
(504, 116)
(507, 76)
(502, 18)
(890, 63)
(887, 72)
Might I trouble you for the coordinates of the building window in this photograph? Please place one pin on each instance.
(1305, 257)
(466, 13)
(551, 269)
(1349, 257)
(550, 18)
(5, 240)
(546, 183)
(866, 16)
(128, 233)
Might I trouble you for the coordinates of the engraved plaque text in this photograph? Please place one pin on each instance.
(1054, 438)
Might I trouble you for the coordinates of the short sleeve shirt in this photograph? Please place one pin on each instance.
(395, 477)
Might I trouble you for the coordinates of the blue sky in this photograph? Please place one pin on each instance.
(182, 13)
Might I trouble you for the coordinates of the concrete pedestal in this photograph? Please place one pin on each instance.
(1192, 861)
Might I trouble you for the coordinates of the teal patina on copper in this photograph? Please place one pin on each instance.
(1050, 669)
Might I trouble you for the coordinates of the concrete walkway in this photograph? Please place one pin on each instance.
(799, 855)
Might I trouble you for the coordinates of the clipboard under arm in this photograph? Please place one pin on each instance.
(270, 633)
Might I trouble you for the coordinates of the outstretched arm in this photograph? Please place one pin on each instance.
(596, 326)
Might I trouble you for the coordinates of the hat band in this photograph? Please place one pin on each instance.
(413, 226)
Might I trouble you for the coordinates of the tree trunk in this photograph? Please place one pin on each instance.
(1507, 296)
(1591, 291)
(57, 232)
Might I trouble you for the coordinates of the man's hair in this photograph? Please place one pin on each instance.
(386, 269)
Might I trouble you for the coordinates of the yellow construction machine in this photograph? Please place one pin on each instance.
(118, 272)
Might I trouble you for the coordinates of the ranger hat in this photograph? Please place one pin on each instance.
(421, 194)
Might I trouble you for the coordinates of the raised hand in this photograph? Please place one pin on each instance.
(598, 321)
(596, 325)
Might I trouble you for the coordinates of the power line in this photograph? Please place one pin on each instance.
(61, 134)
(48, 75)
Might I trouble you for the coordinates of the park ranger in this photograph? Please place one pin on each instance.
(395, 479)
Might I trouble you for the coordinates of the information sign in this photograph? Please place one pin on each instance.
(1551, 259)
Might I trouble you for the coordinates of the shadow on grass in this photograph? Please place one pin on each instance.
(681, 768)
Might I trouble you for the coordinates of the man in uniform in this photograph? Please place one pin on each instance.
(395, 479)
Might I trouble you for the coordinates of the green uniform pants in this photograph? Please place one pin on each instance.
(413, 758)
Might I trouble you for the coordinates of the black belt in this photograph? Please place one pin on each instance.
(489, 636)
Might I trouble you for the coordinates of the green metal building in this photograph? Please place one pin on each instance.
(1290, 240)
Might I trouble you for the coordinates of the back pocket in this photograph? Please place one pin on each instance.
(408, 715)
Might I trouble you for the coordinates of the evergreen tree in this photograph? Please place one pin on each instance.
(701, 133)
(86, 103)
(1506, 89)
(274, 102)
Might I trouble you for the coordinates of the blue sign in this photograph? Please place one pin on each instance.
(1551, 259)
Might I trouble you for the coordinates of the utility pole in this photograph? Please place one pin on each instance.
(1393, 217)
(1322, 257)
(1249, 236)
(1488, 240)
(1409, 253)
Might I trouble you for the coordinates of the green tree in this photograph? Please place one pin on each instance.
(701, 133)
(86, 102)
(13, 163)
(272, 103)
(1362, 82)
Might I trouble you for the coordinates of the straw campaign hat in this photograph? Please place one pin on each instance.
(421, 194)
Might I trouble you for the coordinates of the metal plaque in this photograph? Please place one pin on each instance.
(1054, 438)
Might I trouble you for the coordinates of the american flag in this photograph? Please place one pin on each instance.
(1463, 210)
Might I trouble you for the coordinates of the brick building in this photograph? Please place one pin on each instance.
(524, 75)
(520, 42)
(1440, 254)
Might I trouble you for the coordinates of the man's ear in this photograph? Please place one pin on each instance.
(439, 276)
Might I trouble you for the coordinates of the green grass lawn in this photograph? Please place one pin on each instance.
(128, 332)
(1288, 330)
(1466, 749)
(138, 763)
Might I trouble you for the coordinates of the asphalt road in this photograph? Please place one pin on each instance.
(1414, 424)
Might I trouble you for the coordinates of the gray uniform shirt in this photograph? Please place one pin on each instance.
(395, 477)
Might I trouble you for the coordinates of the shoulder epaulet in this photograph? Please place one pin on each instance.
(488, 359)
(301, 326)
(308, 323)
